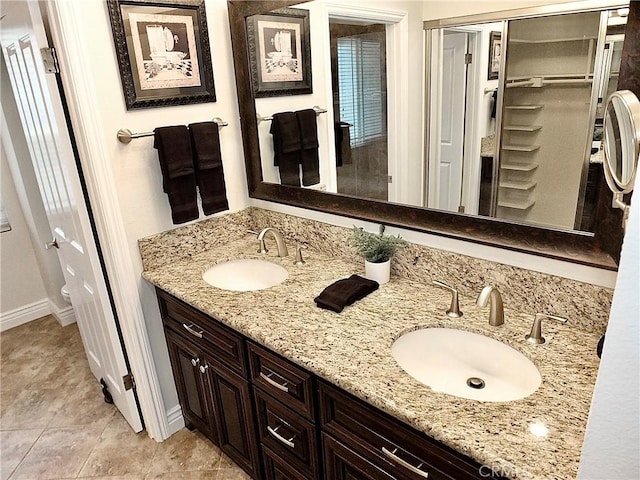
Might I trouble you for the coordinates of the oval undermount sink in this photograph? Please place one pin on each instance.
(466, 365)
(245, 275)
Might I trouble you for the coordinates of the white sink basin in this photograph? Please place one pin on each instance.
(245, 275)
(466, 365)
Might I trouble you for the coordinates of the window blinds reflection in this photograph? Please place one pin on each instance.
(362, 89)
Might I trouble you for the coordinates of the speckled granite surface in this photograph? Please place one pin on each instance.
(586, 306)
(352, 349)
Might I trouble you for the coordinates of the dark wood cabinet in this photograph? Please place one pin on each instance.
(234, 417)
(342, 463)
(385, 443)
(276, 468)
(191, 385)
(209, 367)
(280, 422)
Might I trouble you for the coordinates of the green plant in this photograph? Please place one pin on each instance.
(376, 247)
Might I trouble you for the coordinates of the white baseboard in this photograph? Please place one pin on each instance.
(175, 420)
(24, 314)
(64, 316)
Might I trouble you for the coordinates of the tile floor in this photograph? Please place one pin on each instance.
(54, 423)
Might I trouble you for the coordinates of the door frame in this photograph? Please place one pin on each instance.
(101, 190)
(397, 41)
(471, 164)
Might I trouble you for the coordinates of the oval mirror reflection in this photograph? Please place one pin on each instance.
(621, 140)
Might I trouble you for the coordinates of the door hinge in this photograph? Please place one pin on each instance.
(50, 60)
(460, 208)
(128, 381)
(389, 178)
(468, 58)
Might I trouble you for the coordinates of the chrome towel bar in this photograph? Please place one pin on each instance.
(316, 108)
(125, 135)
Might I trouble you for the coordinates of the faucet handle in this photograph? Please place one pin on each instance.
(535, 336)
(454, 309)
(299, 260)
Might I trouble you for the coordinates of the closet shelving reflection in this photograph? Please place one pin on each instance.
(549, 61)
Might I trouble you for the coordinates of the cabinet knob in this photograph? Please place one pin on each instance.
(203, 368)
(195, 361)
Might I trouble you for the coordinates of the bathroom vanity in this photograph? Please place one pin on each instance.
(288, 390)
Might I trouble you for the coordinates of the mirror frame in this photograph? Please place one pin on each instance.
(600, 249)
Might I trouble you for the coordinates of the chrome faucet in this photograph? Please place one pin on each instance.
(282, 248)
(496, 311)
(535, 336)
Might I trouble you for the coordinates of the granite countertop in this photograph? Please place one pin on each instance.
(352, 350)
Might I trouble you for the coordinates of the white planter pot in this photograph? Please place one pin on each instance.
(379, 272)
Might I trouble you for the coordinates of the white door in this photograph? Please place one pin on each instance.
(43, 121)
(454, 80)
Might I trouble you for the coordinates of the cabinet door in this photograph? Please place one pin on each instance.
(234, 417)
(342, 463)
(191, 384)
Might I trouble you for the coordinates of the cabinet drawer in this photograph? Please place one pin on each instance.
(226, 345)
(289, 435)
(276, 468)
(342, 463)
(282, 379)
(388, 443)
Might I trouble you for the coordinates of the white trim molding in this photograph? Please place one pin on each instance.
(66, 21)
(65, 316)
(24, 314)
(175, 420)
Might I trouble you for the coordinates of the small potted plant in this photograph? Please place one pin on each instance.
(377, 250)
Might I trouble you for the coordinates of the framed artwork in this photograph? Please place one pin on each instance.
(163, 52)
(495, 51)
(280, 53)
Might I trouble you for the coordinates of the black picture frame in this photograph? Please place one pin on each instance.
(280, 53)
(495, 51)
(163, 52)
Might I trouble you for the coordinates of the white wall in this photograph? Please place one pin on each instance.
(612, 441)
(144, 206)
(22, 290)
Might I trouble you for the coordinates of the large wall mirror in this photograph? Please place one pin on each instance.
(485, 128)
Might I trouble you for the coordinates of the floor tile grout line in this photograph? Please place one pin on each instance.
(106, 425)
(25, 454)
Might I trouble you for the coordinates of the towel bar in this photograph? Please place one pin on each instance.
(125, 135)
(316, 108)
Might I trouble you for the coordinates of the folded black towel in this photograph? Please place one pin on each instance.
(309, 143)
(344, 292)
(178, 176)
(286, 147)
(207, 159)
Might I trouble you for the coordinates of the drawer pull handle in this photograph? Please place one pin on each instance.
(404, 463)
(277, 436)
(267, 378)
(189, 328)
(195, 361)
(204, 368)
